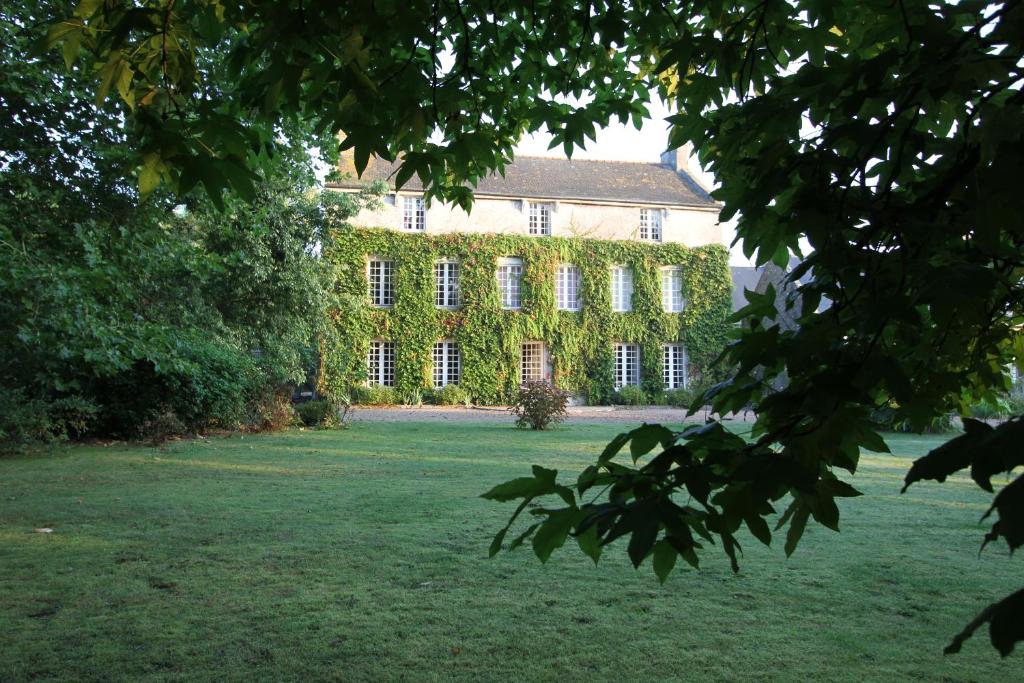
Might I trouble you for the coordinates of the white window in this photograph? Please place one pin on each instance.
(540, 218)
(627, 365)
(446, 278)
(380, 274)
(650, 224)
(567, 287)
(622, 289)
(446, 363)
(531, 362)
(510, 275)
(672, 289)
(414, 216)
(380, 363)
(675, 366)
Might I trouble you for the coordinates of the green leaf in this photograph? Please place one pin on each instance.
(796, 528)
(553, 532)
(664, 559)
(645, 438)
(590, 544)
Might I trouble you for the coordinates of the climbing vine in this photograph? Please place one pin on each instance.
(580, 343)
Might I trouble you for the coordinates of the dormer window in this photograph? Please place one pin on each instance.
(650, 224)
(414, 215)
(540, 218)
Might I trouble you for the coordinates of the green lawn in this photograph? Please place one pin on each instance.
(361, 555)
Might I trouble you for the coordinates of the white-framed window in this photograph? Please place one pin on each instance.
(622, 289)
(446, 363)
(380, 363)
(414, 214)
(532, 361)
(675, 366)
(672, 289)
(510, 277)
(540, 218)
(381, 276)
(446, 280)
(567, 287)
(650, 224)
(627, 365)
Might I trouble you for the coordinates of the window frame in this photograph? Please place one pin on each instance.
(382, 355)
(414, 218)
(539, 218)
(625, 352)
(381, 287)
(540, 363)
(447, 363)
(622, 302)
(567, 274)
(672, 276)
(505, 284)
(652, 227)
(675, 366)
(447, 292)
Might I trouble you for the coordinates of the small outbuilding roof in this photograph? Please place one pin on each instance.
(569, 179)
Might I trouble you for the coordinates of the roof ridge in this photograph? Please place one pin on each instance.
(601, 161)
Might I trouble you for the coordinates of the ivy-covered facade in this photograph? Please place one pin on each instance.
(405, 326)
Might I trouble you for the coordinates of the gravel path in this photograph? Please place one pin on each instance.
(577, 414)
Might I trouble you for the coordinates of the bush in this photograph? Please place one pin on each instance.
(160, 427)
(989, 410)
(25, 422)
(539, 404)
(679, 398)
(452, 395)
(888, 420)
(632, 396)
(315, 413)
(412, 397)
(272, 410)
(375, 395)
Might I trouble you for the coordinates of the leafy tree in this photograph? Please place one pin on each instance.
(113, 311)
(886, 134)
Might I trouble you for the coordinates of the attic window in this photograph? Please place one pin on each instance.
(540, 218)
(650, 224)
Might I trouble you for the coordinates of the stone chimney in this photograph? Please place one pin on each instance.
(678, 159)
(346, 159)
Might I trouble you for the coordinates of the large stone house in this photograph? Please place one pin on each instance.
(639, 210)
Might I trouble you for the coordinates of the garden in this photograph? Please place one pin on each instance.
(361, 555)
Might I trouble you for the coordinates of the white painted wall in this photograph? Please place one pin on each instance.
(691, 227)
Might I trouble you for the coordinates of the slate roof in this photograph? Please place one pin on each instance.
(570, 179)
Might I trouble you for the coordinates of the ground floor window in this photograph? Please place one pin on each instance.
(531, 362)
(380, 363)
(446, 363)
(675, 370)
(627, 365)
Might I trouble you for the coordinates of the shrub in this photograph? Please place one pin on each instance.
(315, 413)
(989, 410)
(412, 397)
(632, 396)
(679, 398)
(888, 420)
(24, 422)
(272, 410)
(538, 404)
(376, 395)
(452, 395)
(161, 426)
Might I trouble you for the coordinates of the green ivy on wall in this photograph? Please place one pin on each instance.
(580, 344)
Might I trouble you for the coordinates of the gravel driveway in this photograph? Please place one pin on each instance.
(577, 414)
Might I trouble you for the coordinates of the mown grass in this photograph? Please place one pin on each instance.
(361, 556)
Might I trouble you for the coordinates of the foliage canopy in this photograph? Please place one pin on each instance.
(887, 135)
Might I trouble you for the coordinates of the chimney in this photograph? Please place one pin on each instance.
(346, 159)
(678, 159)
